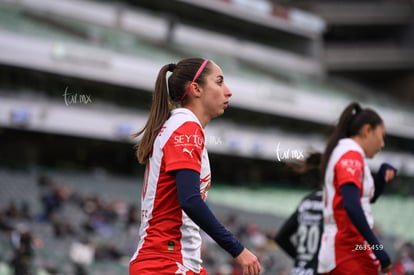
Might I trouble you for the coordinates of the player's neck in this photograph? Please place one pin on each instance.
(361, 142)
(202, 117)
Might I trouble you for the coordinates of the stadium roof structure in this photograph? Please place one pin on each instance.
(67, 50)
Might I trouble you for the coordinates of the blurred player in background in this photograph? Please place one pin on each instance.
(300, 235)
(177, 177)
(348, 244)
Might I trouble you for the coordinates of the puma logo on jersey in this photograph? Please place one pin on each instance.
(185, 150)
(351, 170)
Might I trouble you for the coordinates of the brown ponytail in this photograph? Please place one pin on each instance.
(352, 119)
(159, 113)
(164, 98)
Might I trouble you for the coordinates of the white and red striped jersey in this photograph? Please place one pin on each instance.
(166, 231)
(346, 164)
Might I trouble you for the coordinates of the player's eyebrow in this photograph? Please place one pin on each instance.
(220, 77)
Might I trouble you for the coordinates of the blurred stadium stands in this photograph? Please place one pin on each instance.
(76, 79)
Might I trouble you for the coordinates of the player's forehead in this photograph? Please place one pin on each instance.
(215, 69)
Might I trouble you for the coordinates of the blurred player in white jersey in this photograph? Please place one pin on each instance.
(177, 177)
(348, 245)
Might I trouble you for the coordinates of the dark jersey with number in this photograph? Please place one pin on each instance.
(300, 235)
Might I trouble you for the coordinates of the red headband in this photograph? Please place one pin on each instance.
(195, 78)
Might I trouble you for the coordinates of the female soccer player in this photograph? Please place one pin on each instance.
(177, 177)
(348, 244)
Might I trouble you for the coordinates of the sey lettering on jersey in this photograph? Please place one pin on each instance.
(351, 165)
(195, 139)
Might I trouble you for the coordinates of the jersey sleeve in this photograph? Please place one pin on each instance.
(184, 148)
(350, 168)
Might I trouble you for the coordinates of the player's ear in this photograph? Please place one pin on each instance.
(365, 130)
(195, 89)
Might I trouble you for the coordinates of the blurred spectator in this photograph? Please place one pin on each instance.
(119, 208)
(22, 242)
(61, 228)
(5, 223)
(51, 202)
(255, 237)
(12, 211)
(404, 264)
(44, 181)
(100, 216)
(234, 225)
(5, 269)
(133, 216)
(82, 255)
(108, 251)
(25, 211)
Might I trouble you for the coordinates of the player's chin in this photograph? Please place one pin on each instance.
(219, 112)
(370, 156)
(223, 109)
